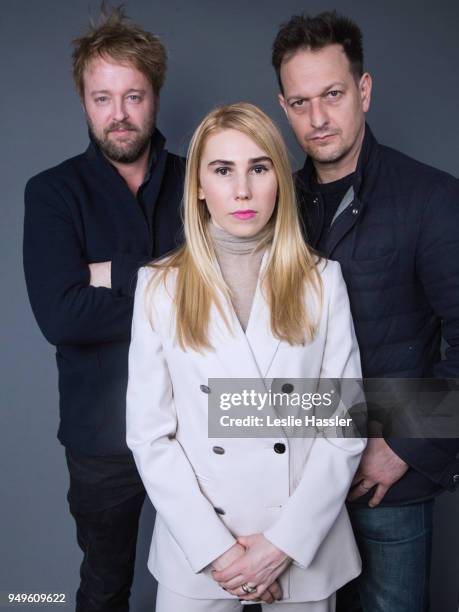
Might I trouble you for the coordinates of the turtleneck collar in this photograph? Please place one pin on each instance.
(228, 243)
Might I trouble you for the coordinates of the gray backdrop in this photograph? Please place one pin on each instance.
(219, 52)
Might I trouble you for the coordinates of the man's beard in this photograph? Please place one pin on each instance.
(328, 158)
(328, 155)
(334, 154)
(127, 152)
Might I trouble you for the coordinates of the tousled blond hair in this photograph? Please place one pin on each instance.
(291, 267)
(115, 38)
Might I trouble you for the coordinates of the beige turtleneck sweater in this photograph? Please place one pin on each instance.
(240, 267)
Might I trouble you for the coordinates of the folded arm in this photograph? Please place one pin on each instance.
(67, 308)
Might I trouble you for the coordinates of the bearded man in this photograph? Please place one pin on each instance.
(90, 222)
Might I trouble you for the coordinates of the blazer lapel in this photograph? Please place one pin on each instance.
(261, 341)
(249, 354)
(233, 350)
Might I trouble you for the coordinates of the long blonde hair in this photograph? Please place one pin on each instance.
(291, 268)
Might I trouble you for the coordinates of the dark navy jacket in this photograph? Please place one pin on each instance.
(81, 212)
(398, 245)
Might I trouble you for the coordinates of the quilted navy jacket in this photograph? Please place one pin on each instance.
(397, 241)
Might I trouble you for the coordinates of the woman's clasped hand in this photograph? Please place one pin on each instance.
(250, 569)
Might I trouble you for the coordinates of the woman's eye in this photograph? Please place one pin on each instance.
(260, 169)
(223, 171)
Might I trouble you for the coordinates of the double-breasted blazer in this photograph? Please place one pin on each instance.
(204, 498)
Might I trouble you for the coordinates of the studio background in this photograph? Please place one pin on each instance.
(218, 53)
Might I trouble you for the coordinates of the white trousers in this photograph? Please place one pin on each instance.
(168, 601)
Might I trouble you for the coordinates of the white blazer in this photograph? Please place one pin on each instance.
(295, 498)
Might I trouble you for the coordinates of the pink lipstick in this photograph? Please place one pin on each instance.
(243, 215)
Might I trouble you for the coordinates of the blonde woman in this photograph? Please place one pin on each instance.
(238, 518)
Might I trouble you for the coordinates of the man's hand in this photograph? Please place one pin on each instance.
(379, 467)
(259, 567)
(101, 274)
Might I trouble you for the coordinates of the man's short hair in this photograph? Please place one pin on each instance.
(314, 33)
(115, 38)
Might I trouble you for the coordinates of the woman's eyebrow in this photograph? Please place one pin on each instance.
(263, 158)
(227, 162)
(221, 162)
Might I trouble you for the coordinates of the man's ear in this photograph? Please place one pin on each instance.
(365, 86)
(283, 104)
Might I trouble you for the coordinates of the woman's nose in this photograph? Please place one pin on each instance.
(242, 188)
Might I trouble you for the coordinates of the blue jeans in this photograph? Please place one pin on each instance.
(395, 545)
